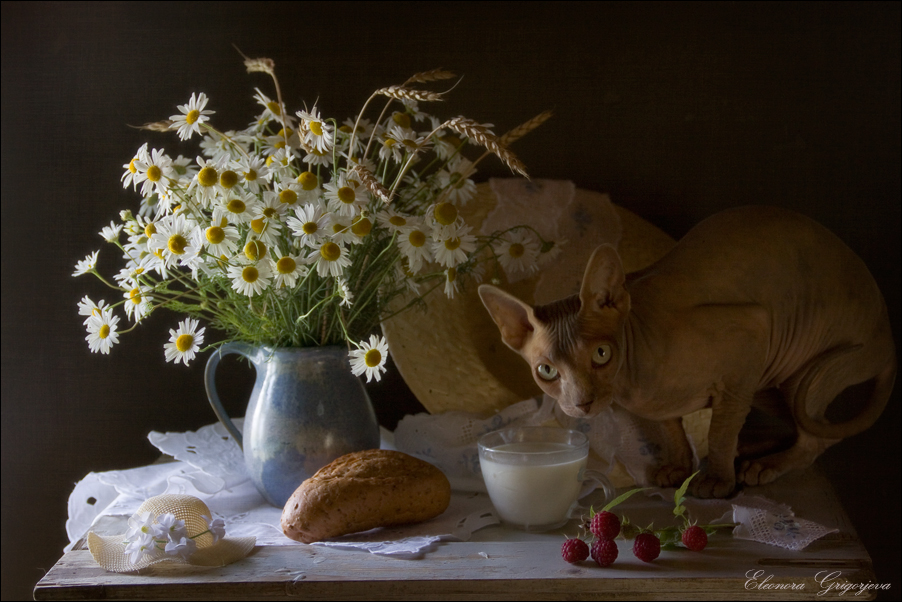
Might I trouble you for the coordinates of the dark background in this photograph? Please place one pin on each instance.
(676, 110)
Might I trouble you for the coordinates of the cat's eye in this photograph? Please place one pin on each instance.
(602, 355)
(547, 371)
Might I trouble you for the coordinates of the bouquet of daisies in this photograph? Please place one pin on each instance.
(299, 230)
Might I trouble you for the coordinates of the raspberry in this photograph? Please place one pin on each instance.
(647, 547)
(605, 525)
(575, 550)
(695, 538)
(604, 552)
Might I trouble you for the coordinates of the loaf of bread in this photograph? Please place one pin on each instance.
(362, 491)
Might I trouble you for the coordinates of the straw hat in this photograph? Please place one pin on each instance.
(110, 551)
(451, 355)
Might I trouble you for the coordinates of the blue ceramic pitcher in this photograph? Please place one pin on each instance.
(306, 409)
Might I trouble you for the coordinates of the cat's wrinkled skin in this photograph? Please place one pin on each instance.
(753, 301)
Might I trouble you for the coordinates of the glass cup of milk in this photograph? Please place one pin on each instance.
(533, 474)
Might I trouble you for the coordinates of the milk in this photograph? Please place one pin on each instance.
(534, 486)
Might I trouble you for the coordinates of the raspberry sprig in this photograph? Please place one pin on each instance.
(603, 527)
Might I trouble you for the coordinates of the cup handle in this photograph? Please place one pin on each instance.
(210, 384)
(594, 479)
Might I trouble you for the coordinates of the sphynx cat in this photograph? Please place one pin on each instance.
(753, 305)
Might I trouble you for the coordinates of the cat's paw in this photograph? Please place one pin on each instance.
(757, 472)
(711, 486)
(670, 475)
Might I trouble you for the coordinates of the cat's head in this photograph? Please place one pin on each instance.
(574, 346)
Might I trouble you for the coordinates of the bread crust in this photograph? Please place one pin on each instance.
(362, 491)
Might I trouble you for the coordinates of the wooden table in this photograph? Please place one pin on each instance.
(500, 563)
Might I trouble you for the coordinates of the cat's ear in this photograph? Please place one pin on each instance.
(515, 319)
(603, 282)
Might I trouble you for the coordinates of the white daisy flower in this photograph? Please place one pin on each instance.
(267, 225)
(205, 182)
(238, 209)
(131, 170)
(102, 331)
(460, 189)
(319, 158)
(347, 197)
(363, 132)
(86, 265)
(137, 302)
(192, 115)
(309, 183)
(88, 308)
(453, 250)
(254, 171)
(340, 229)
(280, 163)
(272, 110)
(217, 148)
(317, 132)
(550, 251)
(288, 192)
(176, 239)
(288, 268)
(444, 219)
(185, 342)
(390, 149)
(393, 221)
(413, 243)
(154, 170)
(451, 282)
(221, 240)
(344, 291)
(252, 278)
(360, 228)
(111, 233)
(518, 254)
(407, 140)
(309, 225)
(370, 357)
(331, 259)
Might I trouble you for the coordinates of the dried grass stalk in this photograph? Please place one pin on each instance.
(405, 93)
(371, 183)
(261, 65)
(429, 76)
(524, 128)
(482, 135)
(155, 126)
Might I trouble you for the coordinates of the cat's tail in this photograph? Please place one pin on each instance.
(819, 426)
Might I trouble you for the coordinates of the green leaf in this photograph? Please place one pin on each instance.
(680, 495)
(622, 498)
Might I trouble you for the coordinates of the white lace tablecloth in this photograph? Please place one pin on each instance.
(209, 464)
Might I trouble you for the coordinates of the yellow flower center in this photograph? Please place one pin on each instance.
(254, 250)
(104, 331)
(192, 116)
(177, 244)
(283, 133)
(288, 196)
(452, 140)
(131, 165)
(250, 274)
(372, 358)
(316, 127)
(310, 228)
(397, 220)
(135, 296)
(250, 175)
(409, 143)
(258, 225)
(236, 206)
(346, 195)
(402, 119)
(184, 342)
(274, 107)
(270, 212)
(228, 178)
(207, 176)
(339, 228)
(286, 265)
(452, 243)
(516, 250)
(279, 144)
(417, 238)
(150, 230)
(215, 234)
(445, 214)
(307, 180)
(154, 173)
(452, 274)
(345, 129)
(390, 142)
(330, 251)
(362, 227)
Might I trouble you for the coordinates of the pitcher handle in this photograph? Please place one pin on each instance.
(210, 384)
